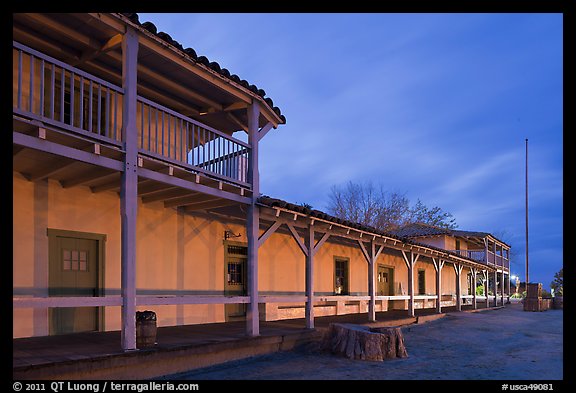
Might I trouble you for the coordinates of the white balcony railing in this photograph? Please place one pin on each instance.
(55, 93)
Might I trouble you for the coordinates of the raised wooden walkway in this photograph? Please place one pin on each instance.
(98, 355)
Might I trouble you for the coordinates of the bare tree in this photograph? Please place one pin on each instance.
(373, 206)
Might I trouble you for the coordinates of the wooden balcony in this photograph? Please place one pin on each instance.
(488, 258)
(68, 126)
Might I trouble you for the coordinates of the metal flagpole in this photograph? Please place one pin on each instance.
(527, 277)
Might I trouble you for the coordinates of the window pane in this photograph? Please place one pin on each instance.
(66, 254)
(75, 255)
(83, 255)
(74, 264)
(66, 264)
(83, 266)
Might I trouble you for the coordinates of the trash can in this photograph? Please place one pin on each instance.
(145, 329)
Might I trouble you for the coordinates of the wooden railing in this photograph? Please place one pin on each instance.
(55, 93)
(476, 255)
(169, 134)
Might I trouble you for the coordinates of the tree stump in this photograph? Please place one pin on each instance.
(362, 343)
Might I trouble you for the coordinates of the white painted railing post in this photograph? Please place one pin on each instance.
(253, 223)
(129, 189)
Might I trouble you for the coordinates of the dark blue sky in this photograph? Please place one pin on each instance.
(434, 106)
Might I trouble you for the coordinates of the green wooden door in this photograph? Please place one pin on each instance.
(73, 272)
(235, 280)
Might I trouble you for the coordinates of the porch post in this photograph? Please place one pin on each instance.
(371, 286)
(495, 275)
(410, 262)
(474, 271)
(129, 190)
(253, 223)
(496, 288)
(486, 285)
(310, 278)
(438, 264)
(458, 270)
(509, 294)
(502, 284)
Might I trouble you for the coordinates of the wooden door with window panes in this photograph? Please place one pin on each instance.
(73, 272)
(235, 280)
(385, 280)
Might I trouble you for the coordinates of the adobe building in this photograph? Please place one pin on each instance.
(136, 186)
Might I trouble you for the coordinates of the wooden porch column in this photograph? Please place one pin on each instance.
(310, 278)
(253, 223)
(371, 259)
(509, 294)
(495, 288)
(129, 190)
(438, 265)
(474, 271)
(410, 262)
(486, 284)
(502, 284)
(458, 270)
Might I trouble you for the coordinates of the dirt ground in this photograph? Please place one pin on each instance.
(503, 344)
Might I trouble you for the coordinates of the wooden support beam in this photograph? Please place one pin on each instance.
(495, 288)
(309, 311)
(129, 190)
(65, 151)
(113, 43)
(458, 270)
(486, 285)
(438, 265)
(474, 271)
(296, 237)
(268, 232)
(410, 261)
(253, 224)
(264, 130)
(371, 284)
(188, 185)
(320, 242)
(364, 251)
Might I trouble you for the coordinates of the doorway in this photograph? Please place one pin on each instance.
(385, 279)
(235, 261)
(75, 263)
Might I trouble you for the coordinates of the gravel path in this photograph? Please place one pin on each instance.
(504, 344)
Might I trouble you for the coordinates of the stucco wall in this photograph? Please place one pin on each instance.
(177, 254)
